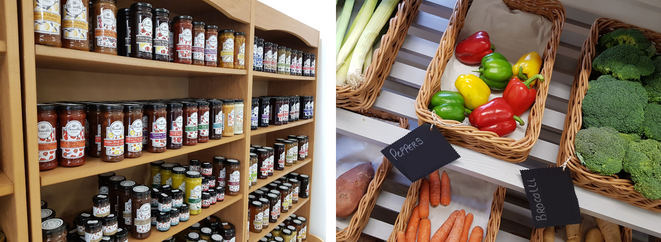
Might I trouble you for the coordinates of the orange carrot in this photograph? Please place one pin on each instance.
(423, 202)
(445, 189)
(443, 232)
(401, 237)
(412, 228)
(434, 189)
(476, 235)
(467, 227)
(458, 226)
(424, 230)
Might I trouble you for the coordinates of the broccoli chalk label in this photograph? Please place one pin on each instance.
(551, 196)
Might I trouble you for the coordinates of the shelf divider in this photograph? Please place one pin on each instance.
(3, 46)
(278, 174)
(264, 76)
(273, 128)
(6, 185)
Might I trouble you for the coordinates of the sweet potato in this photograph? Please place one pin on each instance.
(350, 188)
(594, 235)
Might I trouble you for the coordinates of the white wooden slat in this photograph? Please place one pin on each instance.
(445, 3)
(503, 236)
(431, 21)
(390, 201)
(396, 104)
(397, 176)
(420, 46)
(553, 119)
(559, 89)
(569, 51)
(407, 74)
(545, 151)
(378, 229)
(517, 214)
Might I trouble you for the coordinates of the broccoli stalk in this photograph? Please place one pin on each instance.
(614, 103)
(601, 149)
(624, 62)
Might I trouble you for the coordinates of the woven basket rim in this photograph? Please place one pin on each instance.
(625, 233)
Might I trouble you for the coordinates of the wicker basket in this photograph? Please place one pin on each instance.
(538, 235)
(412, 199)
(364, 96)
(489, 143)
(611, 186)
(366, 204)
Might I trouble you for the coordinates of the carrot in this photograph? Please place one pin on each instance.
(424, 230)
(458, 226)
(412, 228)
(445, 189)
(443, 232)
(423, 202)
(476, 235)
(434, 189)
(401, 237)
(467, 227)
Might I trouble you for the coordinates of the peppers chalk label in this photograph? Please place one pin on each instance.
(47, 141)
(47, 17)
(114, 139)
(74, 22)
(106, 29)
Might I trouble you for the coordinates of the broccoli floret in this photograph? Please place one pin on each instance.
(615, 103)
(631, 137)
(652, 122)
(624, 62)
(601, 149)
(631, 37)
(652, 83)
(643, 162)
(649, 187)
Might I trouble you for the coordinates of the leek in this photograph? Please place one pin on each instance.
(342, 23)
(353, 24)
(368, 59)
(341, 74)
(361, 22)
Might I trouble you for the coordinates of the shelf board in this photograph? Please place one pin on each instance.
(273, 128)
(161, 236)
(6, 185)
(263, 76)
(76, 60)
(94, 166)
(3, 46)
(254, 237)
(278, 174)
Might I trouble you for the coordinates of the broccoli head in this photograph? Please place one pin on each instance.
(643, 159)
(649, 187)
(631, 137)
(601, 149)
(615, 103)
(652, 122)
(652, 83)
(631, 37)
(624, 62)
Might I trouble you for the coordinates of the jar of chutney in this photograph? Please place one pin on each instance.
(203, 121)
(254, 113)
(74, 24)
(161, 34)
(268, 56)
(282, 59)
(157, 125)
(306, 64)
(183, 39)
(256, 216)
(271, 156)
(105, 23)
(142, 36)
(239, 50)
(262, 163)
(219, 170)
(279, 155)
(93, 230)
(47, 23)
(211, 46)
(254, 168)
(238, 117)
(228, 231)
(71, 134)
(216, 119)
(228, 117)
(175, 125)
(140, 212)
(93, 115)
(190, 113)
(133, 130)
(198, 43)
(227, 50)
(54, 230)
(264, 111)
(233, 177)
(112, 132)
(47, 133)
(295, 150)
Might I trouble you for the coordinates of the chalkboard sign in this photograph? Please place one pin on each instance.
(551, 197)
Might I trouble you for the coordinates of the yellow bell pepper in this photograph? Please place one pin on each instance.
(475, 91)
(530, 63)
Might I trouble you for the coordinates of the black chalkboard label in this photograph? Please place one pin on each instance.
(421, 152)
(551, 197)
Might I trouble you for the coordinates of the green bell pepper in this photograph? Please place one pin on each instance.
(495, 70)
(449, 105)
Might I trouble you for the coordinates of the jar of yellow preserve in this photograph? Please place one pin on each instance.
(194, 192)
(155, 179)
(178, 177)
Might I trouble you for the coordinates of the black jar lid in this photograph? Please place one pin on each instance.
(123, 10)
(46, 106)
(101, 198)
(154, 191)
(220, 189)
(166, 188)
(291, 136)
(155, 105)
(264, 189)
(70, 106)
(127, 185)
(174, 105)
(206, 165)
(264, 201)
(269, 149)
(198, 23)
(278, 239)
(132, 106)
(286, 232)
(212, 192)
(141, 5)
(252, 149)
(167, 166)
(163, 215)
(287, 142)
(215, 102)
(283, 187)
(179, 170)
(219, 159)
(140, 190)
(206, 195)
(117, 179)
(161, 10)
(184, 208)
(111, 107)
(271, 195)
(238, 100)
(297, 222)
(194, 162)
(176, 192)
(174, 212)
(253, 155)
(206, 231)
(47, 213)
(193, 236)
(157, 163)
(288, 185)
(227, 101)
(164, 198)
(107, 238)
(302, 219)
(276, 192)
(239, 33)
(121, 233)
(211, 26)
(303, 177)
(269, 236)
(189, 104)
(256, 146)
(92, 224)
(233, 161)
(259, 193)
(302, 137)
(280, 227)
(44, 204)
(196, 226)
(111, 218)
(182, 17)
(292, 175)
(278, 145)
(53, 226)
(261, 151)
(257, 204)
(202, 103)
(193, 174)
(264, 239)
(227, 31)
(216, 238)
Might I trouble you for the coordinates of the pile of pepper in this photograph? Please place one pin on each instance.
(499, 115)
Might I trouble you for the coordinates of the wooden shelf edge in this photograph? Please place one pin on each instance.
(6, 185)
(3, 46)
(273, 128)
(95, 166)
(278, 174)
(254, 237)
(263, 76)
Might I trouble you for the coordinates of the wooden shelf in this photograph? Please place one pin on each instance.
(254, 237)
(75, 60)
(263, 76)
(161, 236)
(94, 166)
(7, 186)
(278, 174)
(3, 46)
(272, 128)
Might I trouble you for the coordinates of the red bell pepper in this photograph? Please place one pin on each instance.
(471, 50)
(495, 116)
(519, 95)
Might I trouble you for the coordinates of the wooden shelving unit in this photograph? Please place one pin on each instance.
(263, 76)
(278, 174)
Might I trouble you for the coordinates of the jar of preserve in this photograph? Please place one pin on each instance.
(288, 235)
(123, 32)
(271, 186)
(292, 109)
(282, 59)
(256, 216)
(206, 200)
(157, 125)
(211, 46)
(112, 132)
(271, 155)
(124, 194)
(212, 195)
(47, 23)
(175, 125)
(163, 221)
(262, 163)
(155, 178)
(284, 198)
(285, 115)
(298, 225)
(104, 182)
(122, 235)
(228, 117)
(195, 165)
(239, 50)
(171, 48)
(140, 212)
(161, 34)
(47, 133)
(254, 113)
(289, 152)
(233, 177)
(228, 231)
(307, 107)
(216, 238)
(280, 156)
(183, 38)
(264, 111)
(306, 64)
(205, 183)
(203, 121)
(277, 232)
(227, 51)
(276, 111)
(113, 192)
(220, 194)
(184, 212)
(109, 224)
(273, 201)
(260, 54)
(302, 147)
(133, 130)
(304, 188)
(178, 176)
(74, 24)
(268, 56)
(299, 63)
(105, 27)
(219, 170)
(177, 197)
(205, 233)
(292, 175)
(164, 203)
(192, 237)
(142, 37)
(71, 118)
(290, 195)
(174, 217)
(259, 194)
(80, 222)
(47, 213)
(54, 230)
(295, 190)
(166, 174)
(93, 121)
(274, 58)
(194, 192)
(198, 43)
(312, 64)
(206, 169)
(93, 230)
(190, 113)
(294, 150)
(216, 119)
(254, 168)
(265, 211)
(292, 65)
(238, 120)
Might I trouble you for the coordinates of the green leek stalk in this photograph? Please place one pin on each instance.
(361, 22)
(353, 24)
(368, 59)
(341, 74)
(342, 23)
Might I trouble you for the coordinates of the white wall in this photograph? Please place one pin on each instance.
(319, 14)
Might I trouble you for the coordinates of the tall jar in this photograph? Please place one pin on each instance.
(178, 177)
(287, 61)
(274, 58)
(71, 134)
(294, 150)
(233, 177)
(124, 193)
(171, 49)
(238, 117)
(295, 189)
(203, 121)
(166, 174)
(133, 130)
(157, 125)
(264, 111)
(268, 56)
(124, 32)
(285, 108)
(254, 168)
(161, 34)
(175, 125)
(259, 54)
(47, 133)
(140, 212)
(183, 39)
(256, 216)
(194, 192)
(190, 130)
(216, 119)
(228, 117)
(198, 43)
(211, 46)
(74, 24)
(292, 65)
(312, 64)
(289, 152)
(292, 108)
(155, 178)
(112, 132)
(282, 60)
(142, 37)
(262, 163)
(240, 50)
(284, 197)
(299, 63)
(271, 155)
(276, 111)
(227, 50)
(47, 23)
(93, 115)
(306, 64)
(254, 113)
(105, 27)
(219, 170)
(280, 156)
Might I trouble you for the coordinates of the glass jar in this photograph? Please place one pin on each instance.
(105, 32)
(216, 238)
(166, 174)
(47, 133)
(308, 107)
(271, 155)
(171, 48)
(227, 51)
(264, 111)
(292, 65)
(167, 188)
(112, 127)
(194, 192)
(219, 170)
(205, 233)
(277, 232)
(233, 177)
(276, 111)
(206, 169)
(228, 117)
(177, 196)
(280, 155)
(74, 24)
(285, 108)
(260, 54)
(164, 203)
(304, 188)
(124, 194)
(302, 147)
(292, 175)
(71, 134)
(47, 213)
(211, 46)
(157, 125)
(239, 50)
(183, 37)
(289, 151)
(228, 231)
(174, 217)
(220, 194)
(274, 206)
(293, 113)
(254, 168)
(284, 198)
(268, 56)
(256, 216)
(212, 195)
(238, 117)
(47, 23)
(122, 235)
(184, 212)
(288, 235)
(161, 34)
(80, 221)
(290, 195)
(154, 199)
(190, 113)
(54, 230)
(259, 194)
(113, 192)
(306, 64)
(294, 150)
(195, 165)
(282, 59)
(175, 125)
(299, 63)
(295, 190)
(163, 221)
(265, 211)
(155, 178)
(206, 200)
(203, 122)
(198, 43)
(140, 212)
(123, 32)
(216, 117)
(109, 224)
(93, 115)
(254, 113)
(93, 230)
(262, 163)
(133, 130)
(142, 37)
(287, 61)
(312, 64)
(104, 182)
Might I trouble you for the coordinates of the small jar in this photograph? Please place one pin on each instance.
(219, 170)
(198, 43)
(277, 232)
(124, 201)
(192, 237)
(203, 121)
(140, 212)
(161, 34)
(112, 127)
(142, 36)
(216, 238)
(175, 125)
(47, 213)
(164, 203)
(274, 205)
(205, 233)
(280, 155)
(174, 217)
(228, 231)
(206, 200)
(294, 150)
(184, 212)
(190, 113)
(238, 117)
(254, 168)
(206, 169)
(205, 183)
(101, 207)
(178, 176)
(154, 198)
(265, 211)
(288, 235)
(271, 186)
(122, 235)
(289, 152)
(292, 65)
(233, 177)
(304, 187)
(254, 117)
(212, 196)
(167, 189)
(293, 231)
(104, 182)
(166, 174)
(271, 159)
(93, 230)
(177, 197)
(105, 31)
(155, 178)
(239, 50)
(284, 198)
(194, 192)
(80, 221)
(290, 197)
(256, 216)
(133, 130)
(110, 224)
(264, 111)
(228, 117)
(220, 194)
(183, 39)
(282, 59)
(157, 126)
(47, 133)
(123, 32)
(227, 51)
(268, 56)
(47, 23)
(211, 46)
(264, 189)
(163, 221)
(288, 222)
(216, 119)
(212, 182)
(71, 134)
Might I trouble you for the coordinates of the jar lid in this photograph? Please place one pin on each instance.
(132, 106)
(193, 174)
(276, 192)
(287, 142)
(292, 228)
(206, 231)
(256, 146)
(44, 204)
(238, 100)
(183, 17)
(286, 231)
(264, 189)
(202, 103)
(252, 149)
(279, 227)
(47, 213)
(303, 177)
(269, 235)
(229, 228)
(117, 179)
(293, 216)
(174, 212)
(233, 161)
(212, 192)
(106, 176)
(302, 137)
(189, 104)
(206, 195)
(161, 10)
(255, 99)
(227, 31)
(106, 238)
(100, 199)
(269, 149)
(167, 166)
(196, 226)
(220, 189)
(288, 219)
(261, 151)
(251, 197)
(216, 238)
(257, 204)
(183, 208)
(157, 163)
(289, 185)
(264, 200)
(291, 136)
(279, 139)
(278, 145)
(53, 226)
(179, 170)
(121, 233)
(283, 187)
(214, 101)
(143, 5)
(123, 10)
(253, 155)
(293, 140)
(263, 239)
(174, 105)
(155, 191)
(302, 219)
(279, 239)
(111, 107)
(206, 165)
(176, 192)
(92, 224)
(294, 181)
(292, 174)
(193, 236)
(282, 47)
(141, 190)
(219, 159)
(127, 185)
(272, 196)
(239, 33)
(166, 188)
(45, 106)
(258, 193)
(211, 26)
(155, 105)
(297, 222)
(199, 23)
(109, 219)
(164, 198)
(70, 106)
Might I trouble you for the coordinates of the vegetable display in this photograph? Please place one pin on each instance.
(350, 187)
(624, 62)
(605, 232)
(471, 50)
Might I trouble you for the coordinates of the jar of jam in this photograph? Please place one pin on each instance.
(206, 200)
(238, 120)
(295, 190)
(195, 165)
(274, 58)
(157, 125)
(183, 38)
(47, 23)
(47, 213)
(280, 155)
(177, 197)
(220, 194)
(260, 54)
(306, 64)
(154, 199)
(175, 124)
(227, 51)
(123, 32)
(228, 117)
(276, 111)
(190, 113)
(216, 117)
(174, 217)
(254, 168)
(288, 235)
(206, 169)
(211, 45)
(239, 50)
(155, 178)
(265, 211)
(164, 203)
(304, 188)
(268, 56)
(163, 221)
(312, 64)
(198, 43)
(264, 111)
(113, 192)
(54, 230)
(105, 31)
(184, 212)
(277, 232)
(93, 230)
(282, 59)
(47, 133)
(74, 24)
(80, 222)
(299, 63)
(292, 109)
(124, 194)
(228, 231)
(122, 235)
(262, 163)
(71, 133)
(161, 34)
(216, 238)
(290, 195)
(302, 147)
(93, 115)
(233, 177)
(284, 198)
(205, 183)
(294, 150)
(167, 188)
(171, 48)
(292, 65)
(140, 212)
(219, 170)
(289, 152)
(271, 155)
(142, 37)
(166, 174)
(308, 107)
(112, 128)
(254, 113)
(109, 224)
(194, 191)
(257, 216)
(203, 121)
(133, 130)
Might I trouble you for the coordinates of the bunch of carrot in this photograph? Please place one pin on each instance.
(455, 229)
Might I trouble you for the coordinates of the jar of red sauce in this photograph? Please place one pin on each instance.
(142, 37)
(175, 125)
(157, 125)
(133, 130)
(198, 43)
(211, 46)
(112, 132)
(47, 133)
(183, 39)
(93, 116)
(203, 121)
(190, 114)
(71, 134)
(216, 119)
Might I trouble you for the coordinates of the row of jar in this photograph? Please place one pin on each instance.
(287, 152)
(69, 24)
(115, 130)
(269, 203)
(294, 229)
(280, 110)
(269, 57)
(211, 229)
(221, 177)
